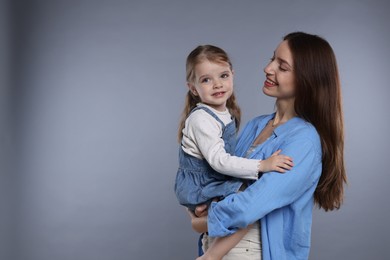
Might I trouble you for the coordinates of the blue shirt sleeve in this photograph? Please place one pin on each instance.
(274, 190)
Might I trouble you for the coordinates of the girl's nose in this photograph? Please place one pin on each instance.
(217, 84)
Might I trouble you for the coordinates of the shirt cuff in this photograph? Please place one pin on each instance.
(254, 173)
(214, 225)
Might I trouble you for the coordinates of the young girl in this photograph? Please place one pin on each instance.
(208, 169)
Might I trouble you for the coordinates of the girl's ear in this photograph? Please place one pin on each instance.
(192, 88)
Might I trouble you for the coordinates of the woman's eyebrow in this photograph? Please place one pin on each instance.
(283, 61)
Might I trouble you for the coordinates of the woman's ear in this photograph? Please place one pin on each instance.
(192, 88)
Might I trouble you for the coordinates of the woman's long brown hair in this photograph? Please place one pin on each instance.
(199, 54)
(318, 100)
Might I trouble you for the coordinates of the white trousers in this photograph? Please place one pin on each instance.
(249, 248)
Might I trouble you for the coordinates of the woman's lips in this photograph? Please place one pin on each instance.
(269, 83)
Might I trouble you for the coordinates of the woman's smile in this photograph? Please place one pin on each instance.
(269, 83)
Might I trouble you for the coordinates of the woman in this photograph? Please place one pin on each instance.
(308, 126)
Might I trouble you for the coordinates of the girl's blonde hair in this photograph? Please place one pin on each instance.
(198, 55)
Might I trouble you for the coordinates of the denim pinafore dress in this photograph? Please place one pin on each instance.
(196, 182)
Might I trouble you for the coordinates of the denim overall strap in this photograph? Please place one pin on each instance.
(228, 131)
(200, 249)
(208, 110)
(196, 181)
(226, 136)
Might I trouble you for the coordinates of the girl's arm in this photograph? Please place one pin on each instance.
(205, 132)
(270, 192)
(276, 162)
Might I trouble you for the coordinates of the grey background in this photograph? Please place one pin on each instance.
(91, 93)
(5, 134)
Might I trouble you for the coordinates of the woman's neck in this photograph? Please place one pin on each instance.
(284, 111)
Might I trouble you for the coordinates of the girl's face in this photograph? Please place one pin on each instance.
(213, 83)
(279, 74)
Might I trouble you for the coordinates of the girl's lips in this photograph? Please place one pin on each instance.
(218, 94)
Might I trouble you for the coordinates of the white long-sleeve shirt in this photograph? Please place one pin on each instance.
(202, 138)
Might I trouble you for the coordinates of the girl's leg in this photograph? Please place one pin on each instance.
(222, 245)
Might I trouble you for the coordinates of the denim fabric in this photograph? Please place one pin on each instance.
(283, 202)
(196, 182)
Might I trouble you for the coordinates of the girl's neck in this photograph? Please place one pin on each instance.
(220, 109)
(284, 111)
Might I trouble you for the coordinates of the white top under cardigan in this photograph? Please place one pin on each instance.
(202, 138)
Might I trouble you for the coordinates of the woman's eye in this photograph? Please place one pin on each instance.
(282, 69)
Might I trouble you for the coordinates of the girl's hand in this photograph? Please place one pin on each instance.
(276, 162)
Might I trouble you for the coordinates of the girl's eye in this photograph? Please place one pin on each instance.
(205, 80)
(225, 75)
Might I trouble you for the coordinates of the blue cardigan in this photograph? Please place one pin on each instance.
(283, 202)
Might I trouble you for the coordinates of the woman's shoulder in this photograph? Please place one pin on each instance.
(260, 119)
(256, 123)
(298, 128)
(304, 127)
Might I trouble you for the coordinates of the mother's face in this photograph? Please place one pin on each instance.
(279, 73)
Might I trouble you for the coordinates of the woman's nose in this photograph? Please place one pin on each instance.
(268, 69)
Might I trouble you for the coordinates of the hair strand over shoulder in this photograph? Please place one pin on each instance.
(318, 100)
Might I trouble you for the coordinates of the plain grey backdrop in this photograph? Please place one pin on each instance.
(91, 94)
(5, 135)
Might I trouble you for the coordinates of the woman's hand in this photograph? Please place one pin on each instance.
(199, 219)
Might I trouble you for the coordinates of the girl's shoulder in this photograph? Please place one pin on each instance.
(198, 116)
(201, 119)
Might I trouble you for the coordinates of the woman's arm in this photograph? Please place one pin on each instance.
(221, 245)
(271, 192)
